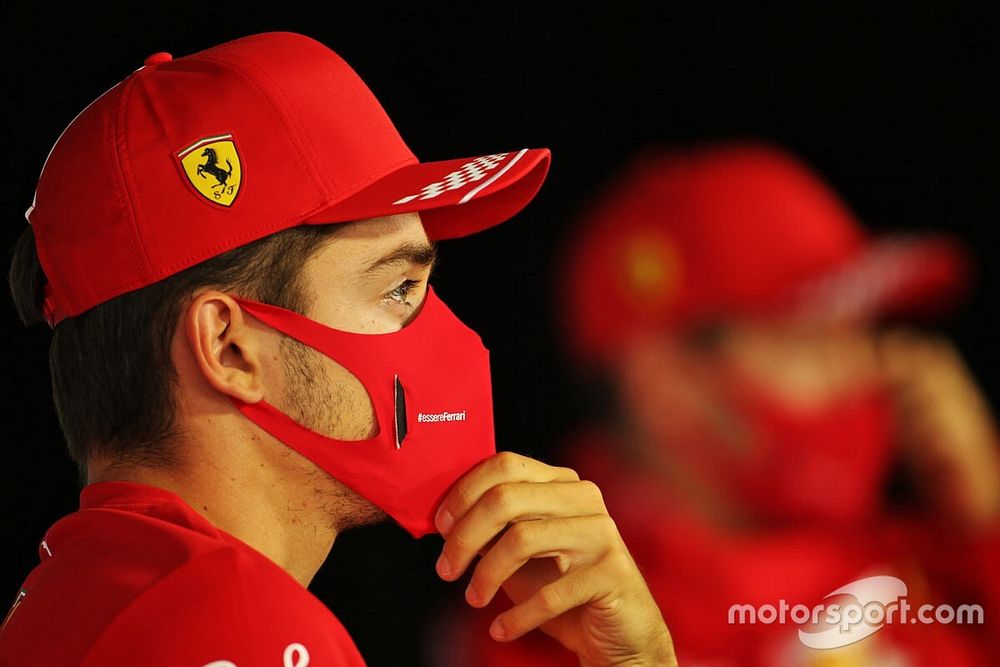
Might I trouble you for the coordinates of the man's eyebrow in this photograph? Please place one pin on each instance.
(420, 254)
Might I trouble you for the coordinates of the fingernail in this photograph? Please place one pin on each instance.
(444, 521)
(497, 631)
(472, 596)
(444, 566)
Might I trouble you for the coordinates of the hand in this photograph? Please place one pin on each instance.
(946, 426)
(547, 539)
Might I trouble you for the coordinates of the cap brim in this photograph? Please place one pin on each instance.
(456, 197)
(918, 276)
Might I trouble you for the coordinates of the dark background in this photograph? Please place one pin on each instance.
(895, 107)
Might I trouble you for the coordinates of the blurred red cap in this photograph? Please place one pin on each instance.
(740, 229)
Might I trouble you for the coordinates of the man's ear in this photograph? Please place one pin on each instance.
(226, 347)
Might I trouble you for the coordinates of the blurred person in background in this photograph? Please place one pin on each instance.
(766, 426)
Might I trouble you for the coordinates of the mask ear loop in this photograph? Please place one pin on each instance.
(272, 315)
(399, 402)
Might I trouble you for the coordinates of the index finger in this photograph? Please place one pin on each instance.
(500, 468)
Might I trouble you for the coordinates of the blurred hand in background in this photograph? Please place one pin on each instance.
(946, 428)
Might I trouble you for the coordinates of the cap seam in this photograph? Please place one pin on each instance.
(285, 122)
(149, 249)
(108, 123)
(119, 150)
(331, 191)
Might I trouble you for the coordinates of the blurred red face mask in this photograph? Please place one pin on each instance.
(826, 463)
(429, 384)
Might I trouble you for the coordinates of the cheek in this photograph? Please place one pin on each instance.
(351, 415)
(322, 395)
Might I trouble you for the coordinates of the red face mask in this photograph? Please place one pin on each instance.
(827, 463)
(429, 384)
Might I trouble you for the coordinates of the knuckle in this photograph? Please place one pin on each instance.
(498, 499)
(508, 462)
(550, 600)
(570, 474)
(520, 537)
(466, 495)
(619, 563)
(592, 491)
(615, 605)
(607, 525)
(461, 541)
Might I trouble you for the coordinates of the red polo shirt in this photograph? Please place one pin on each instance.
(136, 577)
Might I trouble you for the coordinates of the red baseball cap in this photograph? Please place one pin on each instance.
(738, 229)
(188, 158)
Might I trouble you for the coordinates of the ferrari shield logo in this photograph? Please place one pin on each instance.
(212, 165)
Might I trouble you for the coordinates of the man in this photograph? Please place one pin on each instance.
(240, 379)
(770, 429)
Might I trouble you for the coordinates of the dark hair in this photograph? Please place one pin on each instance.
(112, 375)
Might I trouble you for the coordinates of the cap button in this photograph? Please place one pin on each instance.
(157, 58)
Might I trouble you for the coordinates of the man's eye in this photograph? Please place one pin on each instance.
(400, 293)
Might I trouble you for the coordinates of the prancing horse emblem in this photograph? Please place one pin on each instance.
(203, 162)
(212, 167)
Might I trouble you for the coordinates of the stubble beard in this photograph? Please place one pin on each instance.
(313, 400)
